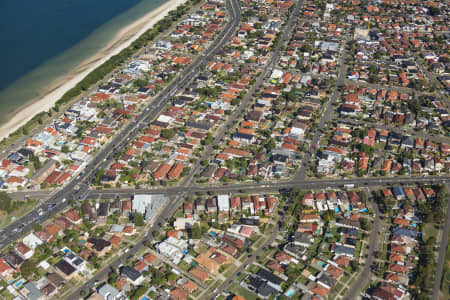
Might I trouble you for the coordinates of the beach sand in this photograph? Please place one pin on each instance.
(56, 90)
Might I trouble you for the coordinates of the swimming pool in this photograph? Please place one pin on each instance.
(18, 284)
(144, 298)
(322, 264)
(290, 292)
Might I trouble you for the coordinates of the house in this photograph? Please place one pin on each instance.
(212, 260)
(65, 268)
(31, 241)
(302, 239)
(43, 172)
(73, 216)
(188, 208)
(55, 279)
(147, 204)
(260, 287)
(211, 205)
(223, 203)
(199, 273)
(271, 279)
(49, 290)
(243, 138)
(24, 251)
(399, 194)
(178, 294)
(298, 252)
(108, 292)
(342, 250)
(99, 244)
(326, 281)
(132, 275)
(14, 260)
(410, 233)
(386, 291)
(31, 291)
(103, 210)
(5, 269)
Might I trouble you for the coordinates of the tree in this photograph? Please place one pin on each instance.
(270, 145)
(434, 11)
(5, 202)
(65, 149)
(364, 224)
(415, 106)
(196, 231)
(27, 269)
(167, 133)
(36, 162)
(138, 219)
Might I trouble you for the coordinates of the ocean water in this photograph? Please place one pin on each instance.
(41, 40)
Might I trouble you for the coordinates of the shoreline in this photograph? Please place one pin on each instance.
(54, 91)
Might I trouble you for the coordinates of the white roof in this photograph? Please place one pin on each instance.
(44, 265)
(180, 244)
(32, 241)
(183, 223)
(165, 119)
(142, 202)
(223, 202)
(276, 74)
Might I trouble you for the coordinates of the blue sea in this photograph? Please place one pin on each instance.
(41, 40)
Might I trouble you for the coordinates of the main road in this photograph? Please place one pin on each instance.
(175, 200)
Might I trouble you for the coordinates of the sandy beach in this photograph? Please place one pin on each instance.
(56, 90)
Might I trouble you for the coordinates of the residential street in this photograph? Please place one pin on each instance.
(327, 115)
(366, 273)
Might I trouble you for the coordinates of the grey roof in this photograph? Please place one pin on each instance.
(103, 209)
(398, 191)
(198, 125)
(209, 171)
(55, 279)
(239, 135)
(147, 205)
(108, 292)
(263, 273)
(343, 249)
(301, 238)
(295, 250)
(65, 267)
(33, 292)
(261, 287)
(116, 228)
(130, 273)
(404, 232)
(324, 278)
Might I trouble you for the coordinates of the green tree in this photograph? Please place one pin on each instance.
(65, 149)
(167, 133)
(27, 269)
(5, 202)
(138, 219)
(196, 231)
